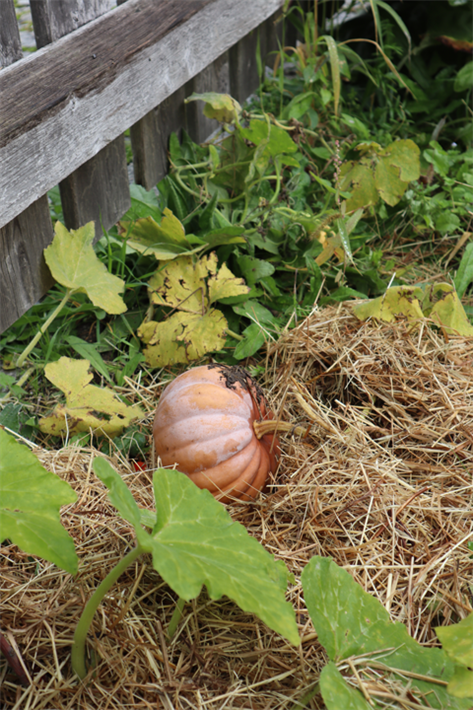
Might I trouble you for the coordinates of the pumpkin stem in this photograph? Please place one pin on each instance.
(269, 426)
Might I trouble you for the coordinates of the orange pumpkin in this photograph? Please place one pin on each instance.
(204, 424)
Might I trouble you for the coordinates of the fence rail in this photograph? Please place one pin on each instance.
(97, 73)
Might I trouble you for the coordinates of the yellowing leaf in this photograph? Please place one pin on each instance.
(87, 406)
(74, 264)
(183, 337)
(397, 301)
(449, 313)
(403, 154)
(359, 180)
(388, 184)
(220, 106)
(181, 284)
(224, 284)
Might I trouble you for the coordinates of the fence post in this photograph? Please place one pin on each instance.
(24, 276)
(99, 189)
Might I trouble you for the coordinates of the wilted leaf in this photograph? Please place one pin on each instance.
(397, 301)
(449, 313)
(183, 337)
(30, 501)
(220, 106)
(195, 542)
(74, 264)
(87, 406)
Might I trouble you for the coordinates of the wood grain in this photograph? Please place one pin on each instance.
(58, 113)
(10, 44)
(24, 276)
(97, 191)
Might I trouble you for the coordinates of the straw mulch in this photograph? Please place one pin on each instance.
(382, 482)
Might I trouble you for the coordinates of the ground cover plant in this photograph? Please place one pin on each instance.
(331, 185)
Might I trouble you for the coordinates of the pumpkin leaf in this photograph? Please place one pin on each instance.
(165, 241)
(222, 107)
(30, 501)
(440, 303)
(352, 623)
(87, 406)
(190, 287)
(337, 694)
(74, 264)
(457, 641)
(194, 542)
(183, 337)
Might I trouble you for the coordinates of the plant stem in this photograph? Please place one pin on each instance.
(43, 328)
(234, 335)
(176, 617)
(268, 426)
(80, 635)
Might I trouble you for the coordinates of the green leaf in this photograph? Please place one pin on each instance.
(464, 78)
(223, 235)
(74, 264)
(337, 694)
(30, 501)
(345, 239)
(457, 641)
(164, 241)
(351, 623)
(254, 339)
(464, 275)
(335, 67)
(87, 406)
(143, 204)
(195, 542)
(255, 311)
(222, 107)
(254, 269)
(274, 140)
(89, 352)
(447, 223)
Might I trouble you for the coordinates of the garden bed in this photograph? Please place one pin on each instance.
(381, 482)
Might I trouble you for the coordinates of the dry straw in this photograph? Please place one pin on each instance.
(376, 474)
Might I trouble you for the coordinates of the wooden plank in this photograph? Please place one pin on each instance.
(53, 19)
(215, 77)
(89, 85)
(98, 191)
(150, 139)
(10, 44)
(24, 276)
(244, 78)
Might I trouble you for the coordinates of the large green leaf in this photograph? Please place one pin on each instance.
(87, 406)
(30, 501)
(351, 623)
(74, 264)
(194, 542)
(464, 275)
(337, 694)
(457, 641)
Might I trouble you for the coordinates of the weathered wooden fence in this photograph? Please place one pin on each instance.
(98, 72)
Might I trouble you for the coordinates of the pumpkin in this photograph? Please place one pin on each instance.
(205, 424)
